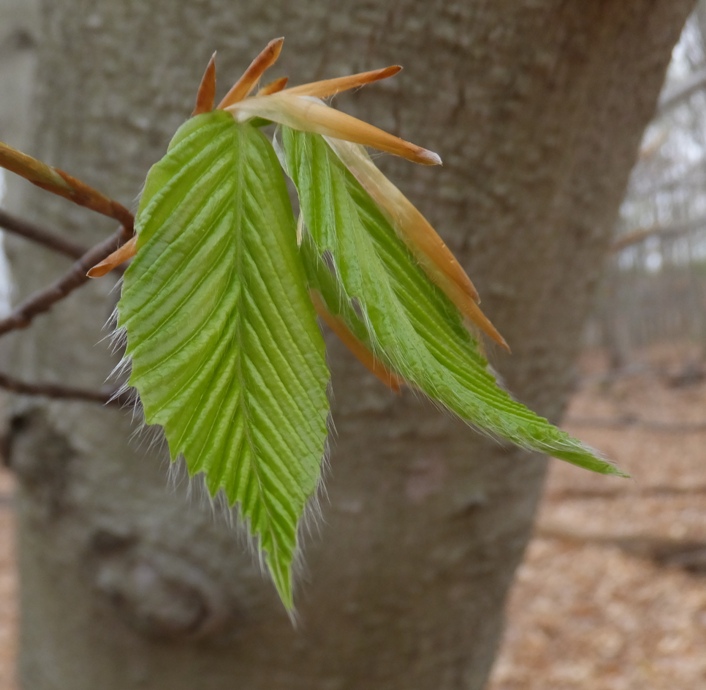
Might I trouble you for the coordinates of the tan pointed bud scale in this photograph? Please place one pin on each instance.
(307, 114)
(119, 256)
(330, 87)
(274, 86)
(473, 312)
(411, 226)
(243, 87)
(361, 352)
(425, 244)
(206, 95)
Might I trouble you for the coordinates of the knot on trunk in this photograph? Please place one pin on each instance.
(161, 594)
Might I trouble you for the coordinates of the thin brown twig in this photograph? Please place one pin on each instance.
(666, 232)
(39, 235)
(42, 300)
(61, 183)
(61, 392)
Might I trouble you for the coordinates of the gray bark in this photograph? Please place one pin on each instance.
(537, 109)
(17, 51)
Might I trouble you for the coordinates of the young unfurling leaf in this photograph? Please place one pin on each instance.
(410, 324)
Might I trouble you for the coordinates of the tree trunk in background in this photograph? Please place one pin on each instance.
(17, 47)
(18, 42)
(537, 109)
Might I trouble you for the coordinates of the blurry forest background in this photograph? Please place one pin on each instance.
(612, 592)
(653, 290)
(608, 603)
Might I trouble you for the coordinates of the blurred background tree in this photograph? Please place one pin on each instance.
(538, 110)
(655, 284)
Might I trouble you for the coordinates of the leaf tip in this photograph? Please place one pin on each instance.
(615, 471)
(281, 574)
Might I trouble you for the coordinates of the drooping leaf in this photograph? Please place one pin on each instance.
(386, 299)
(225, 350)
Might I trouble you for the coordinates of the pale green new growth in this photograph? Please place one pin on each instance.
(225, 350)
(406, 320)
(219, 304)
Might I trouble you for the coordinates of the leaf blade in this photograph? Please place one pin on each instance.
(226, 352)
(404, 318)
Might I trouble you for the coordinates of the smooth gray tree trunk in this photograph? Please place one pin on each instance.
(537, 108)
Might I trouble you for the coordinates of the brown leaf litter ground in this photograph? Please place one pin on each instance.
(612, 591)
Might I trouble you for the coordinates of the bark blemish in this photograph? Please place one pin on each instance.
(160, 594)
(41, 457)
(427, 477)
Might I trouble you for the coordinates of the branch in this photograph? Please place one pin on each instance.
(61, 183)
(60, 392)
(41, 236)
(674, 231)
(675, 96)
(633, 237)
(43, 300)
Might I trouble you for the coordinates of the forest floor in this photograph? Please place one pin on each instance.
(612, 592)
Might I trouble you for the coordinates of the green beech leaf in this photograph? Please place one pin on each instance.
(389, 303)
(225, 350)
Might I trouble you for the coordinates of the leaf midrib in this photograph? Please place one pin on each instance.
(240, 166)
